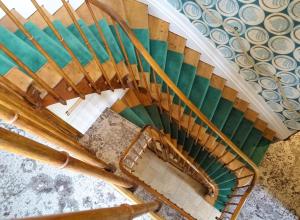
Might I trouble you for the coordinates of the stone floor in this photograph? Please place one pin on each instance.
(29, 188)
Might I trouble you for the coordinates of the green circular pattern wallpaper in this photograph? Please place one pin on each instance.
(261, 39)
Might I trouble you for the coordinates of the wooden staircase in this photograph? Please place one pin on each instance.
(107, 45)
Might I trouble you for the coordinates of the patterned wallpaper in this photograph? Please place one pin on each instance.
(269, 31)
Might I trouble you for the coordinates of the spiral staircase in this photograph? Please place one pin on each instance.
(202, 125)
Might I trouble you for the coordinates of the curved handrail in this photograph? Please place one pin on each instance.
(145, 185)
(211, 186)
(138, 45)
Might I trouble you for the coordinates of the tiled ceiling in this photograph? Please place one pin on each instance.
(268, 31)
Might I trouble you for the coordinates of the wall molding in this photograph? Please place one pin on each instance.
(182, 26)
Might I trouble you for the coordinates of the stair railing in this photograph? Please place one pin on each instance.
(188, 116)
(122, 212)
(170, 98)
(152, 139)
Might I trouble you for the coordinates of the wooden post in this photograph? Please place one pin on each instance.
(123, 212)
(23, 146)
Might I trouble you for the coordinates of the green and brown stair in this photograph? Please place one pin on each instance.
(108, 68)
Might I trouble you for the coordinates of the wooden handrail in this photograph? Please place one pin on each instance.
(128, 150)
(41, 49)
(182, 97)
(65, 45)
(142, 183)
(122, 212)
(34, 76)
(17, 144)
(203, 176)
(11, 106)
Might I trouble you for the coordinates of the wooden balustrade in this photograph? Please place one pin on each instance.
(13, 110)
(65, 45)
(182, 99)
(87, 43)
(123, 212)
(157, 136)
(17, 144)
(27, 119)
(41, 49)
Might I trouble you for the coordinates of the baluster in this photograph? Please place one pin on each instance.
(65, 45)
(105, 43)
(87, 43)
(125, 55)
(40, 49)
(159, 98)
(189, 121)
(34, 76)
(142, 71)
(170, 103)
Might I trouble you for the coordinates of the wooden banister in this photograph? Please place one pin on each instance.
(203, 176)
(40, 49)
(17, 144)
(30, 121)
(65, 45)
(123, 212)
(153, 132)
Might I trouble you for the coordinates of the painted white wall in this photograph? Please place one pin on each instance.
(86, 113)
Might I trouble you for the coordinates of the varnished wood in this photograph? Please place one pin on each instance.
(180, 94)
(176, 43)
(122, 212)
(40, 48)
(33, 122)
(76, 78)
(158, 29)
(37, 79)
(103, 69)
(101, 34)
(17, 144)
(191, 56)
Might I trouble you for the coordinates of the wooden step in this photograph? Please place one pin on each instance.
(84, 13)
(205, 69)
(136, 14)
(176, 43)
(72, 70)
(191, 56)
(158, 28)
(63, 15)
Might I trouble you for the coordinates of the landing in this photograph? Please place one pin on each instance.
(180, 188)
